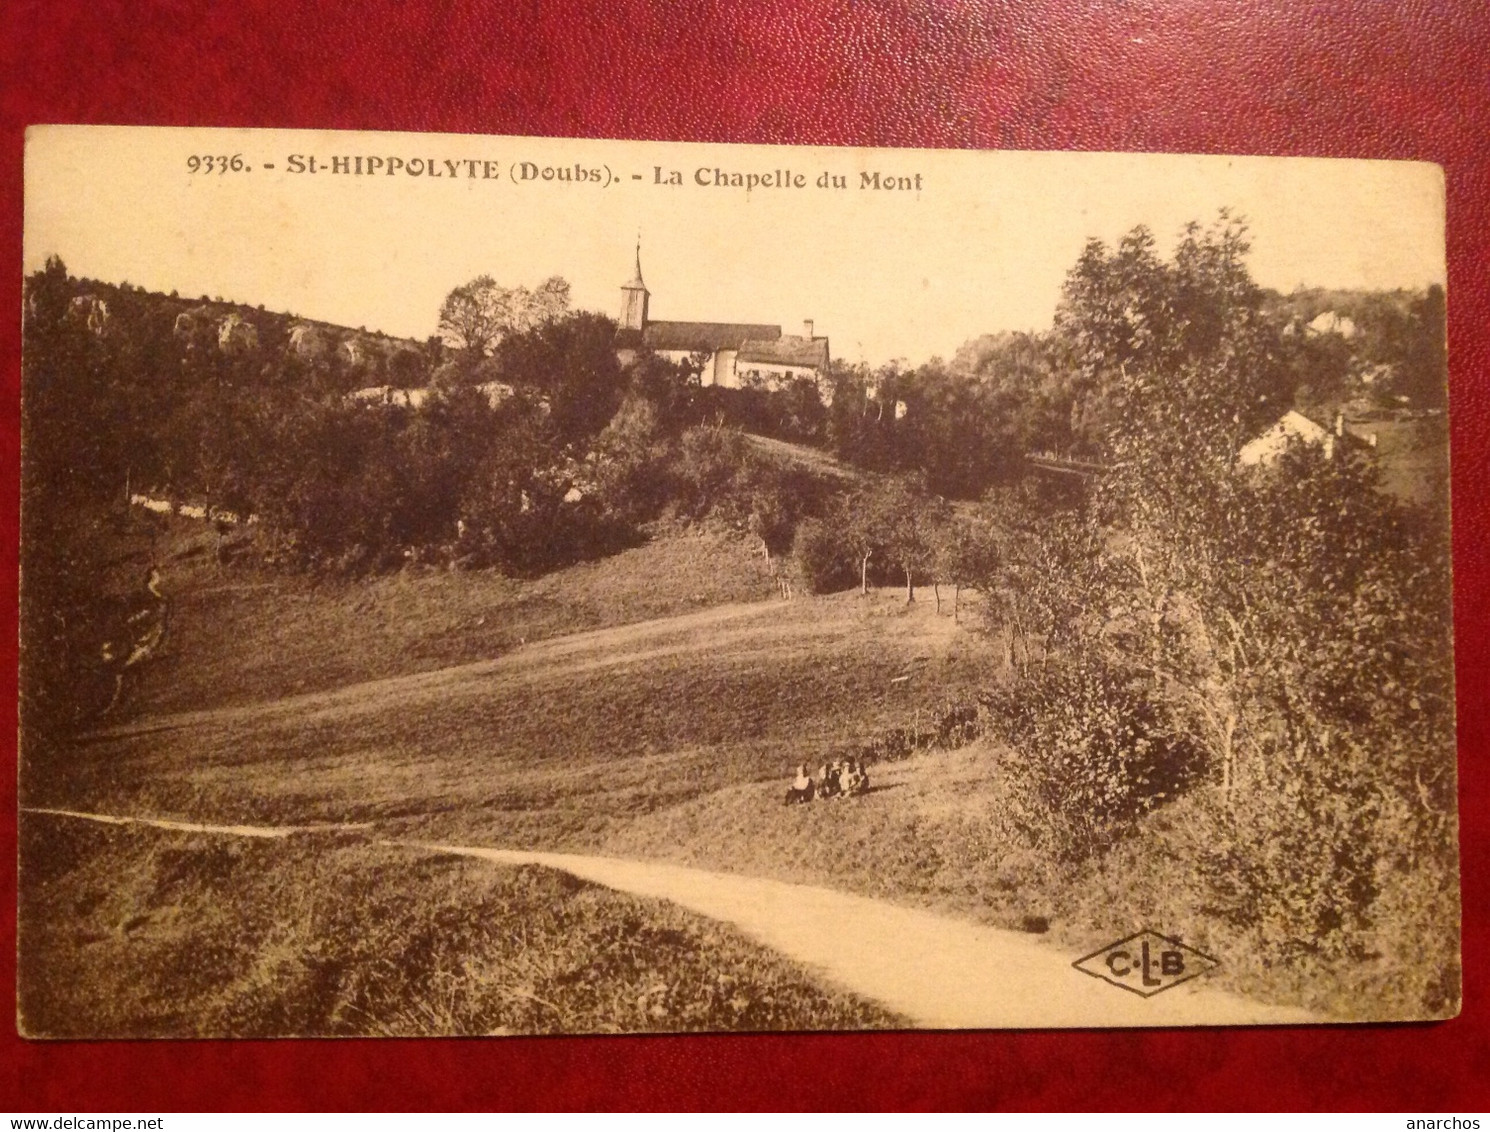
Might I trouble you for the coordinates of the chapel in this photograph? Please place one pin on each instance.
(733, 353)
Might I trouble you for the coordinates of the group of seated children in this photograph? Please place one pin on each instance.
(838, 779)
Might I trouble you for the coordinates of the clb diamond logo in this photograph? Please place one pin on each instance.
(1146, 963)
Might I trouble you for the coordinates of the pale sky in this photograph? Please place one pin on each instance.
(982, 246)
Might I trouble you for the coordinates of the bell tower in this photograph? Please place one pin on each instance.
(634, 298)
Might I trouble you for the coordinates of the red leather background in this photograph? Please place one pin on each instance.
(1349, 78)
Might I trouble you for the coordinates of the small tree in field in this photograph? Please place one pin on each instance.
(914, 521)
(965, 553)
(864, 528)
(892, 521)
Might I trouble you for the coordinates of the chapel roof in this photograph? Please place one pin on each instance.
(706, 337)
(786, 350)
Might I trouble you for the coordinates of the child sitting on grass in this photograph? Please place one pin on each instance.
(801, 788)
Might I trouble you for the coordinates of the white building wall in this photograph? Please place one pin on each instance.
(722, 369)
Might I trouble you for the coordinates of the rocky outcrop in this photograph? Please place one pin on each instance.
(193, 326)
(235, 335)
(308, 343)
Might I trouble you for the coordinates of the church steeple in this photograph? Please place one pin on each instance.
(634, 297)
(636, 280)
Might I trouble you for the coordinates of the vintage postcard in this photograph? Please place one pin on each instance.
(496, 585)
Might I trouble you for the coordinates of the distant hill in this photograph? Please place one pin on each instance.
(361, 356)
(1364, 308)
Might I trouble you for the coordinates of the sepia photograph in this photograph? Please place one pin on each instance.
(505, 585)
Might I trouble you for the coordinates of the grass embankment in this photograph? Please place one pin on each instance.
(802, 456)
(132, 932)
(241, 635)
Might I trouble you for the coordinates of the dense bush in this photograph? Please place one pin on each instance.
(946, 727)
(708, 468)
(821, 557)
(716, 473)
(1092, 750)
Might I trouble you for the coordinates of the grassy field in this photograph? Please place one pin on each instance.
(240, 636)
(555, 743)
(571, 708)
(1412, 454)
(131, 932)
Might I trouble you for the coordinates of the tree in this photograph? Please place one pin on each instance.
(861, 425)
(569, 363)
(914, 518)
(672, 388)
(772, 519)
(864, 527)
(800, 414)
(514, 504)
(1425, 363)
(629, 460)
(889, 519)
(476, 316)
(408, 368)
(1179, 351)
(965, 553)
(1185, 368)
(818, 550)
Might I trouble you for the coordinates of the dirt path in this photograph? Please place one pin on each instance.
(939, 972)
(272, 832)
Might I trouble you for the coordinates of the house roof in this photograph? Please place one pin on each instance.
(786, 350)
(1294, 423)
(1268, 446)
(705, 337)
(1294, 426)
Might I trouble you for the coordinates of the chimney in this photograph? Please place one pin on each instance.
(807, 329)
